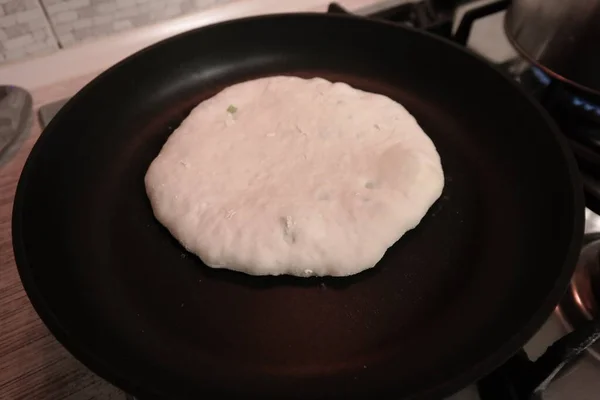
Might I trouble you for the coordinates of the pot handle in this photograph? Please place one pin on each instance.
(521, 378)
(461, 36)
(559, 357)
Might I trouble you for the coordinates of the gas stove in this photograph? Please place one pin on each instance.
(550, 366)
(554, 364)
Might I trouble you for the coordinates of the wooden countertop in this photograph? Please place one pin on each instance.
(33, 365)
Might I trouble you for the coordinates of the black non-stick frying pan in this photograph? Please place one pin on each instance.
(450, 301)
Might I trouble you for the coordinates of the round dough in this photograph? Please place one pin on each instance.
(284, 175)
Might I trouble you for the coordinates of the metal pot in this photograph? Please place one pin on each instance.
(560, 36)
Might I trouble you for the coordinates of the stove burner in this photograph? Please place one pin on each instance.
(586, 103)
(541, 76)
(577, 113)
(435, 16)
(581, 302)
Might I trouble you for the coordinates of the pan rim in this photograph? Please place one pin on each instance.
(445, 387)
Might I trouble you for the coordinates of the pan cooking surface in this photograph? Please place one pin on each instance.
(448, 302)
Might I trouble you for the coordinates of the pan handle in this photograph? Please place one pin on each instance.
(461, 36)
(521, 378)
(558, 358)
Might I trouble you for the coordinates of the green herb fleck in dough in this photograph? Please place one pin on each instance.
(231, 109)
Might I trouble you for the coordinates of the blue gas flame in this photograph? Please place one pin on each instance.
(577, 101)
(541, 76)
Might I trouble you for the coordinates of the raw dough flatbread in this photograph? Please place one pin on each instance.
(284, 175)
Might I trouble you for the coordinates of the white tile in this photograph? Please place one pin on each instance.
(122, 25)
(67, 39)
(17, 30)
(40, 35)
(187, 7)
(172, 10)
(82, 23)
(200, 4)
(76, 4)
(67, 42)
(46, 50)
(51, 42)
(102, 19)
(58, 7)
(18, 42)
(127, 12)
(102, 30)
(142, 8)
(63, 28)
(35, 47)
(38, 23)
(125, 3)
(14, 54)
(87, 12)
(159, 5)
(30, 15)
(141, 19)
(31, 4)
(8, 20)
(66, 16)
(106, 8)
(15, 7)
(82, 33)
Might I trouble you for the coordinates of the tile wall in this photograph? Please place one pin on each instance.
(79, 20)
(24, 30)
(33, 27)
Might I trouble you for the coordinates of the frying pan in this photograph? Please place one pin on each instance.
(449, 302)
